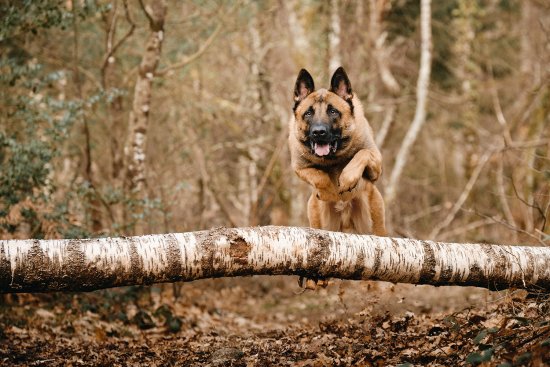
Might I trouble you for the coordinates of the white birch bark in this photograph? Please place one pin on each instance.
(299, 38)
(139, 115)
(334, 38)
(89, 264)
(421, 98)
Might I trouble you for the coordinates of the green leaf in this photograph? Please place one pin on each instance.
(522, 320)
(476, 358)
(524, 358)
(482, 334)
(143, 320)
(174, 325)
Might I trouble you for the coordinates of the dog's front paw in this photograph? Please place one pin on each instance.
(348, 180)
(372, 173)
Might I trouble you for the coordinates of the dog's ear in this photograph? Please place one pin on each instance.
(304, 86)
(339, 84)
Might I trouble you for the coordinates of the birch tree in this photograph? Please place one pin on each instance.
(334, 59)
(139, 115)
(421, 99)
(89, 264)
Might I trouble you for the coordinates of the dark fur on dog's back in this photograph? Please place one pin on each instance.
(332, 148)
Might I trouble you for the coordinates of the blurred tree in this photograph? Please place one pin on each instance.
(135, 178)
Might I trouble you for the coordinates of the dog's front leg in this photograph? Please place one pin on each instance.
(324, 187)
(365, 163)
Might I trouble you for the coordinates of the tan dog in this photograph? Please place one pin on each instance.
(332, 149)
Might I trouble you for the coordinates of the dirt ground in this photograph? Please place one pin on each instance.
(269, 321)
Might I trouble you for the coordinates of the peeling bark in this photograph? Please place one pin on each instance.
(89, 264)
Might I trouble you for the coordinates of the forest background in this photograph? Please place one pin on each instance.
(130, 117)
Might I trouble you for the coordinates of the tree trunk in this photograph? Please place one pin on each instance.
(334, 59)
(89, 264)
(139, 116)
(92, 201)
(421, 97)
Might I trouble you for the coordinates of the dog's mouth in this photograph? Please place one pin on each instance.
(323, 149)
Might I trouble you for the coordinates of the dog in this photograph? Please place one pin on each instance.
(332, 149)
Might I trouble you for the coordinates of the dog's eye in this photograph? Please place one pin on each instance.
(333, 111)
(308, 113)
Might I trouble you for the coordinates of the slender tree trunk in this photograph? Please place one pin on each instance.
(85, 265)
(380, 60)
(110, 77)
(92, 201)
(334, 59)
(300, 42)
(135, 180)
(421, 97)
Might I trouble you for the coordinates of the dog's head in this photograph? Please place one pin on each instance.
(324, 118)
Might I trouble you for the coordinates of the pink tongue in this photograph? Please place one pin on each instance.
(322, 150)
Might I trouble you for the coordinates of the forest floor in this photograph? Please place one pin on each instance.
(265, 321)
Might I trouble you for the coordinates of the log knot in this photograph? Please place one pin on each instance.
(239, 249)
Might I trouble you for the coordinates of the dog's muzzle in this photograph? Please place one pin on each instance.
(322, 140)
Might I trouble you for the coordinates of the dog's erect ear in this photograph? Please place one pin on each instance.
(304, 86)
(339, 84)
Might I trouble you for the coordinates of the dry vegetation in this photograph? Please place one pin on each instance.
(85, 150)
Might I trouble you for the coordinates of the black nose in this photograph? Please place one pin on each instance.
(319, 131)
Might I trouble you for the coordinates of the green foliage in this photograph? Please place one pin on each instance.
(36, 120)
(476, 358)
(28, 16)
(483, 333)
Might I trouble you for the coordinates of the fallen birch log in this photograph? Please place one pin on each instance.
(90, 264)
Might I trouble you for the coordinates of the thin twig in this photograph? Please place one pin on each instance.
(466, 228)
(498, 109)
(267, 173)
(269, 168)
(149, 17)
(502, 195)
(111, 50)
(385, 127)
(416, 216)
(532, 206)
(464, 195)
(189, 59)
(507, 225)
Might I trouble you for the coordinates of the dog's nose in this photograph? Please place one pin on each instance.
(319, 131)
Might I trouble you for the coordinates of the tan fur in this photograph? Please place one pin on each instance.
(344, 197)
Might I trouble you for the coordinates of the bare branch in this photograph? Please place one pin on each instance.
(502, 195)
(385, 128)
(111, 50)
(466, 228)
(190, 58)
(147, 14)
(513, 228)
(463, 196)
(498, 109)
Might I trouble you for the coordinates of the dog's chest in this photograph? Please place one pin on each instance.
(353, 216)
(345, 209)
